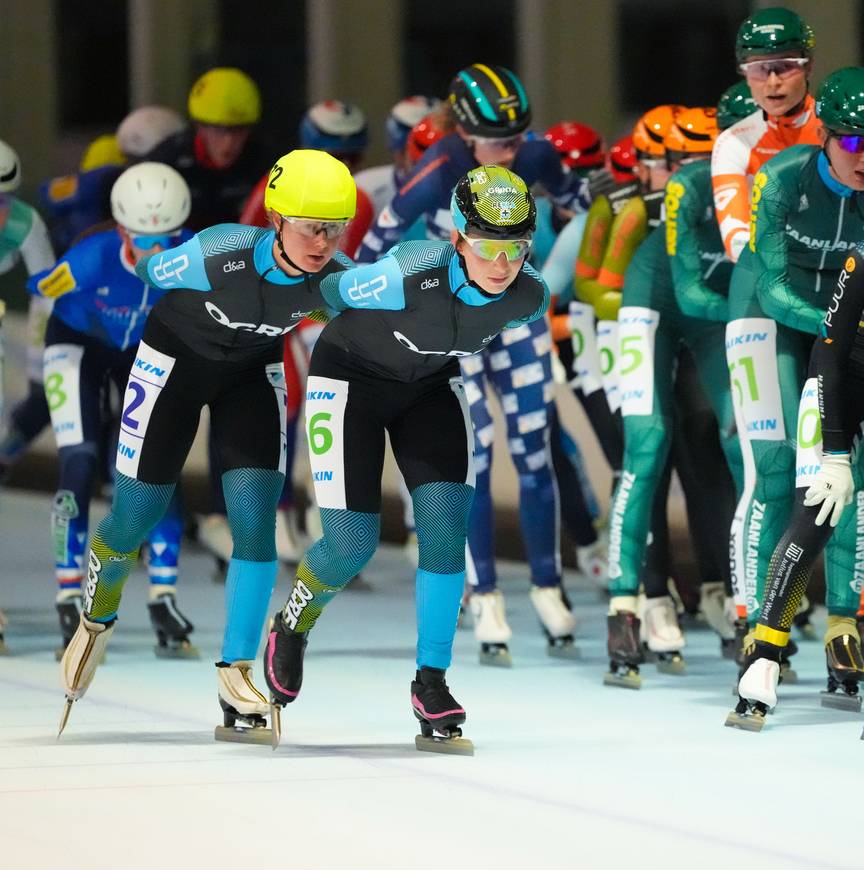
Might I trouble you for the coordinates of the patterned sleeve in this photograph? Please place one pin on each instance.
(371, 286)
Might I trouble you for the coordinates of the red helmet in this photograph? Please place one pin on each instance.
(580, 146)
(622, 157)
(422, 135)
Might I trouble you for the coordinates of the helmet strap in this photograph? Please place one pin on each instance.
(282, 252)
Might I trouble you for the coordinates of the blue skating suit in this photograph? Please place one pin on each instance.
(100, 310)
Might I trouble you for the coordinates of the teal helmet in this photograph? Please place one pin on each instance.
(775, 30)
(735, 103)
(494, 203)
(840, 101)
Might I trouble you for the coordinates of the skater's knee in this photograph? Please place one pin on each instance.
(136, 509)
(441, 512)
(349, 542)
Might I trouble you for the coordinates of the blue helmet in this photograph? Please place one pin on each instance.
(335, 127)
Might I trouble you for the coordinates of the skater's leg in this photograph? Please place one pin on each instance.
(254, 462)
(481, 528)
(440, 474)
(521, 371)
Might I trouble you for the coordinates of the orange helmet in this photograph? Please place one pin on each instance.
(692, 133)
(650, 130)
(423, 134)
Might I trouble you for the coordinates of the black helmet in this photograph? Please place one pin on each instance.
(489, 101)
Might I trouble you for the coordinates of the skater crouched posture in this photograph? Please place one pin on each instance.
(216, 340)
(393, 368)
(100, 309)
(831, 412)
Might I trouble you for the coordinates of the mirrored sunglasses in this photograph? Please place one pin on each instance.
(149, 241)
(851, 143)
(491, 249)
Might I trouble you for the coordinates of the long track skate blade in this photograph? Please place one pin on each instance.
(275, 725)
(841, 701)
(567, 651)
(444, 745)
(64, 716)
(496, 659)
(745, 721)
(623, 681)
(185, 651)
(676, 667)
(257, 736)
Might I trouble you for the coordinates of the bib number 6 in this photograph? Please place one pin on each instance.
(320, 436)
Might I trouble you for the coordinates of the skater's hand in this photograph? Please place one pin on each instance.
(832, 488)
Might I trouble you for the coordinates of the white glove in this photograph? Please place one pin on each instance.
(832, 488)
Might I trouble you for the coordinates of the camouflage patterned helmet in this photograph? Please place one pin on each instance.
(493, 202)
(775, 30)
(735, 103)
(840, 101)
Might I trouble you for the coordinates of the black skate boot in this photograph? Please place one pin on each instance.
(69, 608)
(845, 664)
(4, 650)
(438, 711)
(283, 668)
(625, 651)
(171, 627)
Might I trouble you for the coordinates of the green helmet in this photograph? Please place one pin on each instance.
(493, 202)
(775, 30)
(735, 103)
(840, 101)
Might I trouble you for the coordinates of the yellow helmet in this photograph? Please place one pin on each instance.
(226, 97)
(102, 151)
(311, 184)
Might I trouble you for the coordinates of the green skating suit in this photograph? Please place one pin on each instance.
(652, 327)
(803, 226)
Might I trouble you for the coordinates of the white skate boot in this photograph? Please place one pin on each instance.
(719, 612)
(491, 628)
(557, 620)
(593, 564)
(288, 547)
(663, 634)
(244, 708)
(82, 656)
(214, 534)
(757, 691)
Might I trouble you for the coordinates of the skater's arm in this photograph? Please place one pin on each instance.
(770, 207)
(373, 286)
(684, 211)
(832, 351)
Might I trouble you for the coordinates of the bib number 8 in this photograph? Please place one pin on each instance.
(320, 436)
(54, 391)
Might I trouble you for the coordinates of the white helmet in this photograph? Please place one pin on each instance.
(406, 114)
(150, 198)
(10, 168)
(145, 128)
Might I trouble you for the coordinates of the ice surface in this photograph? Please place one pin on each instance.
(567, 773)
